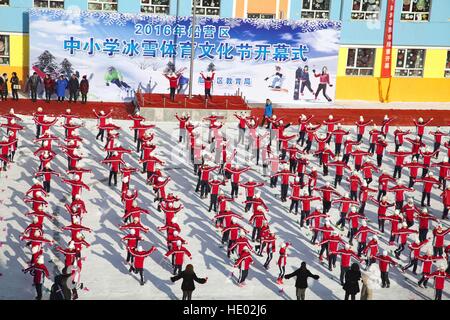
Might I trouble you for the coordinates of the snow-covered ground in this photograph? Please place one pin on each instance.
(106, 275)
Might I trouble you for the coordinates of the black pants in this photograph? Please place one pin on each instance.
(308, 146)
(213, 203)
(326, 206)
(361, 247)
(248, 206)
(284, 191)
(60, 98)
(46, 185)
(269, 258)
(84, 100)
(438, 295)
(33, 94)
(438, 251)
(301, 137)
(307, 84)
(426, 195)
(412, 263)
(398, 170)
(208, 94)
(423, 281)
(111, 175)
(371, 148)
(15, 95)
(332, 260)
(362, 207)
(381, 225)
(48, 95)
(354, 195)
(323, 248)
(234, 189)
(385, 279)
(379, 159)
(187, 295)
(399, 204)
(359, 137)
(423, 234)
(172, 94)
(38, 130)
(101, 134)
(337, 181)
(322, 87)
(304, 215)
(282, 271)
(38, 287)
(225, 236)
(381, 193)
(411, 182)
(294, 203)
(177, 269)
(341, 220)
(243, 275)
(256, 234)
(399, 250)
(337, 148)
(342, 276)
(445, 213)
(273, 181)
(203, 188)
(73, 95)
(352, 295)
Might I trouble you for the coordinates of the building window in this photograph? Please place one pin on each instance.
(316, 9)
(4, 49)
(4, 2)
(208, 7)
(410, 63)
(155, 6)
(415, 10)
(447, 65)
(366, 10)
(102, 5)
(360, 62)
(52, 4)
(260, 16)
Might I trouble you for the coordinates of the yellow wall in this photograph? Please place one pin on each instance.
(261, 6)
(19, 56)
(239, 8)
(284, 4)
(433, 87)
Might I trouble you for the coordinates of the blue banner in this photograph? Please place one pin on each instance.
(286, 61)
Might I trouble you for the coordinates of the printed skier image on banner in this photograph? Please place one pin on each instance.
(283, 60)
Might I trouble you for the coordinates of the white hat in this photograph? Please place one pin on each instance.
(175, 233)
(385, 253)
(174, 220)
(160, 179)
(245, 249)
(327, 222)
(38, 194)
(330, 116)
(140, 249)
(178, 243)
(34, 249)
(241, 233)
(233, 220)
(375, 237)
(39, 109)
(364, 223)
(347, 246)
(35, 219)
(40, 260)
(35, 181)
(404, 225)
(37, 233)
(132, 232)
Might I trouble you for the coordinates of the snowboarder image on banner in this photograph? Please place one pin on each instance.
(324, 80)
(305, 81)
(114, 76)
(298, 75)
(277, 80)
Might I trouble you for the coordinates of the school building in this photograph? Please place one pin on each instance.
(421, 38)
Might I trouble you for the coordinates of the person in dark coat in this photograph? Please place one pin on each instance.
(49, 86)
(62, 291)
(4, 87)
(61, 86)
(189, 277)
(33, 84)
(14, 86)
(301, 283)
(84, 89)
(74, 86)
(351, 284)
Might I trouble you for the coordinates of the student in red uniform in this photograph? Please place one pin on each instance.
(244, 262)
(173, 83)
(39, 272)
(385, 262)
(139, 256)
(282, 261)
(208, 83)
(439, 281)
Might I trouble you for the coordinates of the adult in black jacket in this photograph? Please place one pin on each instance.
(351, 285)
(74, 86)
(60, 290)
(301, 283)
(189, 277)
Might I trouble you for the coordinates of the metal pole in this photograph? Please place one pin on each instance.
(191, 71)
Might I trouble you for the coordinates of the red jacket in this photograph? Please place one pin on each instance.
(179, 253)
(208, 83)
(346, 256)
(439, 279)
(244, 261)
(139, 257)
(385, 261)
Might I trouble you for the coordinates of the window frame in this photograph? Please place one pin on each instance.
(103, 3)
(7, 50)
(359, 69)
(414, 13)
(397, 69)
(365, 13)
(447, 66)
(314, 11)
(261, 14)
(154, 6)
(48, 4)
(202, 6)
